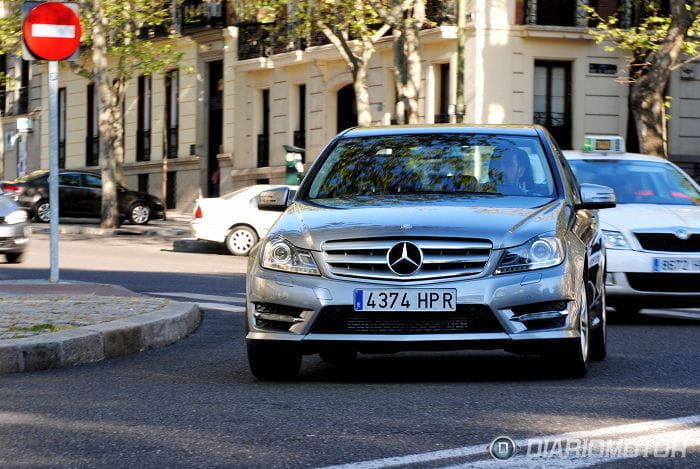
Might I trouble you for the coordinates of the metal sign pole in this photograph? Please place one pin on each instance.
(53, 167)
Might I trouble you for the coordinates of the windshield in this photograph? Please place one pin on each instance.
(639, 182)
(31, 176)
(434, 163)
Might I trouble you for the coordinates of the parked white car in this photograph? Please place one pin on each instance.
(652, 235)
(234, 219)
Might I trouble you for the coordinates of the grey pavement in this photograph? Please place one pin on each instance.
(51, 325)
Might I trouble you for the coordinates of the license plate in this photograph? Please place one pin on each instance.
(676, 264)
(406, 300)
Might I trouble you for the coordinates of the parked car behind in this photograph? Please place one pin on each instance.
(653, 235)
(234, 219)
(14, 230)
(80, 195)
(431, 238)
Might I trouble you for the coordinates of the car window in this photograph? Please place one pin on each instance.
(69, 179)
(434, 163)
(32, 176)
(91, 180)
(639, 182)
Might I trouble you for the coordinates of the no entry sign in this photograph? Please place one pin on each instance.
(51, 30)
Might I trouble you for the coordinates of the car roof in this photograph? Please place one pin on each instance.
(525, 130)
(584, 155)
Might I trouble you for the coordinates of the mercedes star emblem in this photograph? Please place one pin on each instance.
(404, 258)
(682, 233)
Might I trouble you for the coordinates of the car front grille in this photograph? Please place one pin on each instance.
(442, 257)
(676, 283)
(668, 242)
(345, 320)
(7, 242)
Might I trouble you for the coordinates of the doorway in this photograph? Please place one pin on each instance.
(552, 96)
(216, 125)
(346, 111)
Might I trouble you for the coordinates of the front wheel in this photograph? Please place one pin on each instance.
(240, 240)
(599, 335)
(572, 357)
(42, 211)
(139, 214)
(273, 361)
(14, 257)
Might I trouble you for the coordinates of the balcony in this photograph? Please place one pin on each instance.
(190, 16)
(554, 13)
(441, 12)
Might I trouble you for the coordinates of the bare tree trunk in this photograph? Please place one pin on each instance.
(413, 59)
(110, 209)
(647, 91)
(364, 114)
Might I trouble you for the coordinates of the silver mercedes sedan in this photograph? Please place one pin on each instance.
(430, 238)
(14, 230)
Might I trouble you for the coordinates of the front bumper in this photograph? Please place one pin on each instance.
(14, 238)
(625, 268)
(498, 294)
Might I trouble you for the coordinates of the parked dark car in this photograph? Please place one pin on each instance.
(80, 195)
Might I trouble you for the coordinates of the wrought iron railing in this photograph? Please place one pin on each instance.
(441, 12)
(552, 12)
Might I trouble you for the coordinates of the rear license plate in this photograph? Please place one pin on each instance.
(676, 264)
(406, 300)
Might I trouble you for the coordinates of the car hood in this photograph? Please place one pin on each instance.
(505, 221)
(634, 217)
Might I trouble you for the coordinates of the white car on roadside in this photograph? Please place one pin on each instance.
(234, 219)
(652, 235)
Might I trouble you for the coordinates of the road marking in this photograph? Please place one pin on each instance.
(481, 449)
(199, 296)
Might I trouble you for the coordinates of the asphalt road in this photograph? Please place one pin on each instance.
(195, 404)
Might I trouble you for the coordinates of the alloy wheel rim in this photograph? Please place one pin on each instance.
(43, 212)
(140, 213)
(583, 325)
(241, 241)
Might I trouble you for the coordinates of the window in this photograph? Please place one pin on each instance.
(552, 95)
(143, 131)
(92, 139)
(92, 180)
(23, 99)
(172, 109)
(69, 179)
(443, 94)
(264, 136)
(61, 128)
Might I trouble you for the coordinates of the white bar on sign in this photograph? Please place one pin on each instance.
(53, 30)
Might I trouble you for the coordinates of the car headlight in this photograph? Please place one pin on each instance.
(18, 216)
(538, 253)
(615, 240)
(280, 254)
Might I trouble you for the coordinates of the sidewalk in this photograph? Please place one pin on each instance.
(44, 325)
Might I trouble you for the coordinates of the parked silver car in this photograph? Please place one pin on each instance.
(14, 230)
(432, 237)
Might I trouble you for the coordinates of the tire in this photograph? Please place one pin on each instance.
(599, 335)
(240, 240)
(338, 356)
(42, 211)
(572, 358)
(14, 257)
(139, 213)
(273, 362)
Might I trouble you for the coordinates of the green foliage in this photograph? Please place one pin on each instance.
(644, 37)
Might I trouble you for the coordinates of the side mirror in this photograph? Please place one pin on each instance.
(277, 199)
(594, 197)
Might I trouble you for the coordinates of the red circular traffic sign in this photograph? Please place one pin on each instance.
(52, 31)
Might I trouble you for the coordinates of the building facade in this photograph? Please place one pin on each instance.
(222, 119)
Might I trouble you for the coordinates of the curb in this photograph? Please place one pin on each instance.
(97, 231)
(97, 342)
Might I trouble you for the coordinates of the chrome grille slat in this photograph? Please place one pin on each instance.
(367, 258)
